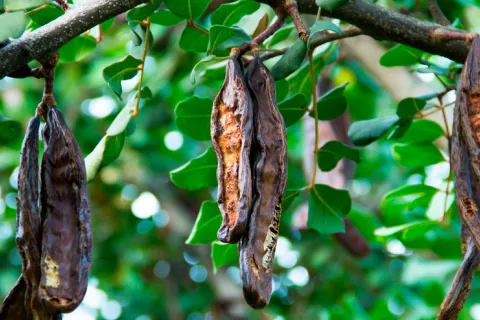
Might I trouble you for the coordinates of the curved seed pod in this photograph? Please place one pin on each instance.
(13, 307)
(257, 247)
(291, 60)
(28, 236)
(456, 296)
(231, 131)
(352, 240)
(67, 239)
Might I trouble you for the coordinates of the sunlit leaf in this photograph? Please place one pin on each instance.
(188, 9)
(193, 40)
(401, 55)
(223, 38)
(224, 254)
(293, 108)
(362, 133)
(78, 48)
(332, 152)
(230, 13)
(207, 224)
(121, 70)
(13, 24)
(192, 116)
(417, 154)
(197, 173)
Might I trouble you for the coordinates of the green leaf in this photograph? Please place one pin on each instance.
(290, 61)
(197, 173)
(326, 209)
(13, 5)
(223, 38)
(224, 254)
(207, 224)
(401, 55)
(230, 13)
(188, 9)
(109, 148)
(417, 154)
(205, 60)
(330, 107)
(78, 48)
(300, 81)
(140, 13)
(192, 117)
(409, 231)
(281, 89)
(400, 128)
(422, 130)
(121, 70)
(410, 106)
(281, 35)
(411, 191)
(332, 152)
(320, 26)
(362, 133)
(13, 24)
(330, 5)
(293, 108)
(146, 93)
(193, 40)
(439, 204)
(165, 17)
(289, 197)
(46, 15)
(9, 130)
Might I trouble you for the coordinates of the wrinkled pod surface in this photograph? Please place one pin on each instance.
(269, 170)
(231, 132)
(65, 211)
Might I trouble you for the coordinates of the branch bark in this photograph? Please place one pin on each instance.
(52, 36)
(383, 24)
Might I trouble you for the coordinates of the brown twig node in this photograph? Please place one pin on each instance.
(264, 35)
(47, 71)
(292, 10)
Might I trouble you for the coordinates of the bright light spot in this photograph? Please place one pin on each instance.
(276, 284)
(475, 311)
(161, 219)
(128, 85)
(5, 230)
(145, 206)
(129, 192)
(81, 313)
(14, 98)
(198, 273)
(396, 247)
(234, 274)
(111, 310)
(283, 245)
(360, 187)
(288, 259)
(395, 307)
(190, 258)
(94, 297)
(11, 200)
(173, 140)
(161, 269)
(101, 107)
(143, 317)
(14, 178)
(195, 316)
(436, 173)
(208, 316)
(415, 179)
(449, 97)
(144, 226)
(2, 207)
(426, 77)
(299, 276)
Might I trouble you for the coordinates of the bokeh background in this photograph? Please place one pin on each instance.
(143, 270)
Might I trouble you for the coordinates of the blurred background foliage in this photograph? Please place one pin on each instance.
(142, 267)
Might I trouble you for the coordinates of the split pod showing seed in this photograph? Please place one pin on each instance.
(231, 131)
(269, 156)
(66, 239)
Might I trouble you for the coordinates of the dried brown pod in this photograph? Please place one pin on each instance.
(257, 247)
(13, 307)
(456, 296)
(231, 131)
(66, 238)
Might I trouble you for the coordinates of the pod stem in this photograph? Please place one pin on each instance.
(277, 24)
(47, 71)
(291, 9)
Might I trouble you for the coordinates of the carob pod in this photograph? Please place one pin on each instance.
(67, 238)
(257, 246)
(28, 235)
(13, 307)
(231, 130)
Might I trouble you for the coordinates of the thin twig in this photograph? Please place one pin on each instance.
(437, 13)
(264, 35)
(142, 69)
(192, 24)
(315, 114)
(292, 10)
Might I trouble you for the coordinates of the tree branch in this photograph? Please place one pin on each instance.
(437, 13)
(55, 34)
(384, 24)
